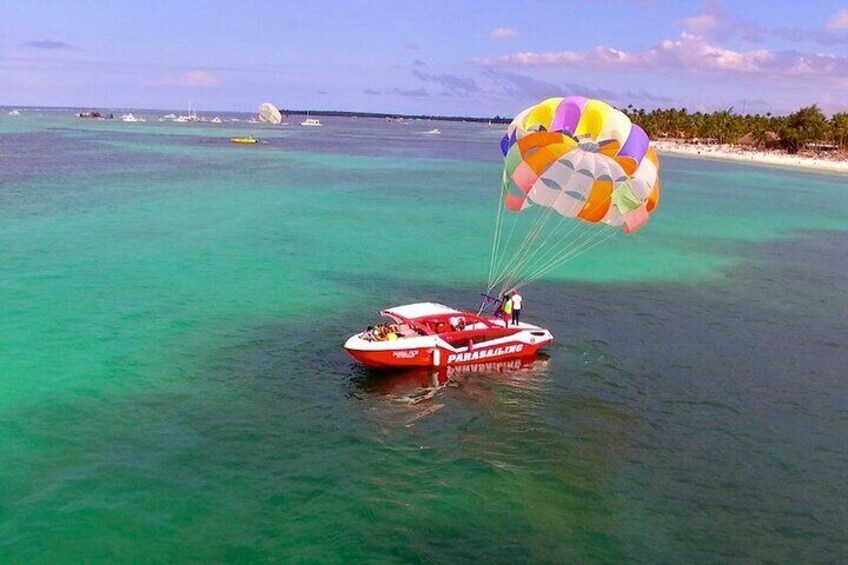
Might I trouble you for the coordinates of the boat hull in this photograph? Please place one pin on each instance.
(411, 358)
(394, 355)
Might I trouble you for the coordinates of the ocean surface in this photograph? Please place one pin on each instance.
(173, 387)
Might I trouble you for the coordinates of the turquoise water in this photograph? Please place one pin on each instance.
(172, 385)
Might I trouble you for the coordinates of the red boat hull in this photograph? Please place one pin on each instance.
(433, 335)
(440, 357)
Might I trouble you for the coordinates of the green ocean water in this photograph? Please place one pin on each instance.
(173, 388)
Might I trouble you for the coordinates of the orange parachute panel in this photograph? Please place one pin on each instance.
(654, 198)
(629, 164)
(542, 159)
(599, 201)
(653, 157)
(538, 139)
(610, 148)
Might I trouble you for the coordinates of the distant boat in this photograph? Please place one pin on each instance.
(14, 113)
(169, 117)
(215, 120)
(248, 140)
(95, 116)
(130, 118)
(190, 117)
(312, 122)
(253, 121)
(434, 131)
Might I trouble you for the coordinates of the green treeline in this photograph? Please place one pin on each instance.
(808, 127)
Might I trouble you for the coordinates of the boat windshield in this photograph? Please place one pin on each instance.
(442, 323)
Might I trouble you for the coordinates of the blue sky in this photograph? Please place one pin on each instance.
(438, 57)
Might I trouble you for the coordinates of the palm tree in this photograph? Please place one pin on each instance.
(839, 126)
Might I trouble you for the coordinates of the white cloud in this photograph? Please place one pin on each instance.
(513, 86)
(839, 20)
(714, 22)
(689, 53)
(707, 23)
(503, 33)
(200, 78)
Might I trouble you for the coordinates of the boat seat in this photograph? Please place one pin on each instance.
(403, 330)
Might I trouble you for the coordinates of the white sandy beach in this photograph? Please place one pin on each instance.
(753, 156)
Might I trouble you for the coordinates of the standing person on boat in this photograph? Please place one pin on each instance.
(515, 300)
(507, 308)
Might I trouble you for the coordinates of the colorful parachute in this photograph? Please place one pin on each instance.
(268, 113)
(578, 160)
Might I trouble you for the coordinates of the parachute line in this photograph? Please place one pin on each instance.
(498, 228)
(520, 266)
(574, 254)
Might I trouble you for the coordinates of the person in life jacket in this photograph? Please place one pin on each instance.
(507, 308)
(516, 307)
(377, 333)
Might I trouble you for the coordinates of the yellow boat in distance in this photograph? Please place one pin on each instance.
(249, 140)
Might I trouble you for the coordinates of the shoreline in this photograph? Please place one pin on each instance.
(752, 156)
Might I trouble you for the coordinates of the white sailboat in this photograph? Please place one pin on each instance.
(311, 122)
(190, 117)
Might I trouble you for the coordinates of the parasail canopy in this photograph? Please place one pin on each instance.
(581, 172)
(268, 113)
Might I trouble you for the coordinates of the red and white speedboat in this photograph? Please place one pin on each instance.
(433, 335)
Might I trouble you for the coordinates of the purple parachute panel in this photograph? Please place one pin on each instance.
(505, 144)
(636, 145)
(568, 114)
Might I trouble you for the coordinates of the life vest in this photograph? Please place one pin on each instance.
(507, 307)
